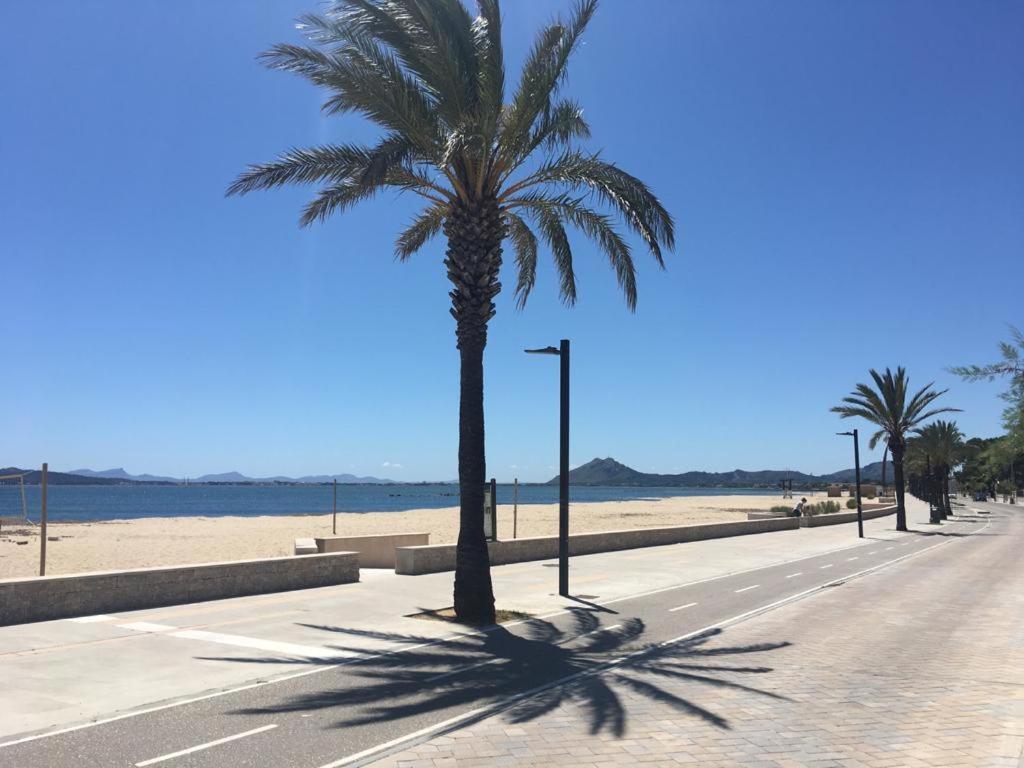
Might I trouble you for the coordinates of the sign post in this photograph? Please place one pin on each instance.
(490, 511)
(42, 522)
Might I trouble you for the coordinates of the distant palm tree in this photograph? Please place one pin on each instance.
(433, 78)
(888, 407)
(943, 442)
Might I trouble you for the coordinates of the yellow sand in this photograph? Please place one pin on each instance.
(120, 544)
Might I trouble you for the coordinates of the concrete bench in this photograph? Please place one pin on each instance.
(376, 550)
(306, 547)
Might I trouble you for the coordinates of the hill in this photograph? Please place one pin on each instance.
(611, 472)
(228, 478)
(33, 477)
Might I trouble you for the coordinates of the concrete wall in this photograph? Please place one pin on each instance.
(58, 597)
(375, 551)
(844, 517)
(441, 557)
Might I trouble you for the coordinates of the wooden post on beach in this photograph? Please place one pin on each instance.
(42, 523)
(334, 514)
(515, 507)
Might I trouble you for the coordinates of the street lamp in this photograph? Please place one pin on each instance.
(856, 469)
(562, 351)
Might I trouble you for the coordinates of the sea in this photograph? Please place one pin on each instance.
(120, 502)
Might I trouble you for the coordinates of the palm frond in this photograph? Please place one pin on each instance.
(426, 224)
(630, 197)
(543, 73)
(524, 245)
(597, 227)
(552, 230)
(335, 199)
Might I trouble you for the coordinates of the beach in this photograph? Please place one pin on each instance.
(156, 541)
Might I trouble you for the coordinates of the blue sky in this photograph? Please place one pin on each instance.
(847, 181)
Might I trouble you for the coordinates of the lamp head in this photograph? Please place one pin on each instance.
(543, 351)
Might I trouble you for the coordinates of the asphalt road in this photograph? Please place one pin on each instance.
(345, 714)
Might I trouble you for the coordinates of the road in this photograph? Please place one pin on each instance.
(354, 711)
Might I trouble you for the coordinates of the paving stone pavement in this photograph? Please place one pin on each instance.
(919, 664)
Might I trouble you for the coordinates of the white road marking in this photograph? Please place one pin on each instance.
(201, 747)
(93, 619)
(293, 649)
(798, 573)
(852, 558)
(145, 626)
(680, 607)
(873, 553)
(888, 548)
(826, 566)
(421, 735)
(754, 586)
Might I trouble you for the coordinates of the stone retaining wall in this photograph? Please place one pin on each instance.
(441, 557)
(815, 521)
(58, 597)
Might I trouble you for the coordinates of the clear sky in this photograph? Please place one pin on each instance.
(847, 180)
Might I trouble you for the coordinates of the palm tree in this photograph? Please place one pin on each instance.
(432, 77)
(943, 443)
(887, 407)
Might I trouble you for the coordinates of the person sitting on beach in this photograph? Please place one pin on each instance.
(799, 508)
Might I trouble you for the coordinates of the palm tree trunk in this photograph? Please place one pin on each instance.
(897, 471)
(474, 594)
(475, 232)
(948, 509)
(885, 460)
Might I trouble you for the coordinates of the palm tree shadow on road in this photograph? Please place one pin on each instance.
(527, 674)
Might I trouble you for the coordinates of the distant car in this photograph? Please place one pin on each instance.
(980, 496)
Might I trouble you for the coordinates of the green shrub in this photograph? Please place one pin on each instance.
(851, 503)
(781, 509)
(822, 508)
(869, 493)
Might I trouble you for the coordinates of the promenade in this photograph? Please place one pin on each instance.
(804, 647)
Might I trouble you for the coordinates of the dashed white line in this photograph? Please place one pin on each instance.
(753, 586)
(93, 619)
(827, 566)
(201, 747)
(875, 552)
(852, 558)
(798, 573)
(145, 626)
(888, 548)
(680, 607)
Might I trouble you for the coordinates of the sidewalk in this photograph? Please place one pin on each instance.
(64, 672)
(928, 673)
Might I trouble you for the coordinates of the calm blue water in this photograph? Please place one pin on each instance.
(113, 502)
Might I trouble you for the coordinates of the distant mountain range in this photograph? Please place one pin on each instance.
(611, 472)
(119, 476)
(597, 472)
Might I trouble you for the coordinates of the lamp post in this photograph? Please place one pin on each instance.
(562, 351)
(856, 470)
